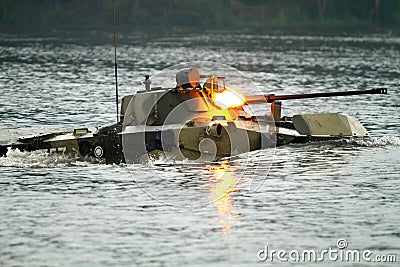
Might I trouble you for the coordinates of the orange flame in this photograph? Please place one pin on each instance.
(229, 98)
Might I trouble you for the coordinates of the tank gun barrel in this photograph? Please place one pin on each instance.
(271, 98)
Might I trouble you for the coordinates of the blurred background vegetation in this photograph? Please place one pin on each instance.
(19, 15)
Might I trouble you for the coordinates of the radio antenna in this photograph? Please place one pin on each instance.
(115, 61)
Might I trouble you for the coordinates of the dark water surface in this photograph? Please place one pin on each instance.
(55, 210)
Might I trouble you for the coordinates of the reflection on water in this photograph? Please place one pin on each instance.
(220, 194)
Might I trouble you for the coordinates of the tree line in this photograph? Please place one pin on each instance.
(201, 13)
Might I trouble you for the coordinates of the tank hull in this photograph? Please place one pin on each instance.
(203, 141)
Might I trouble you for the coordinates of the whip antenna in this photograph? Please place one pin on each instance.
(115, 61)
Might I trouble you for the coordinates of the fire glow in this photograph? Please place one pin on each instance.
(229, 98)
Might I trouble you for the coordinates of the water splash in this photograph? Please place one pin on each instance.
(381, 141)
(36, 159)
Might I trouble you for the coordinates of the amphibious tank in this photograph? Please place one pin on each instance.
(199, 119)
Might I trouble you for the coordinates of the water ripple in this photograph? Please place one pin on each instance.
(58, 210)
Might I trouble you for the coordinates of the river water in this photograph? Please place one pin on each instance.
(55, 210)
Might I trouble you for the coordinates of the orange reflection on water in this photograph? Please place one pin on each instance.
(220, 194)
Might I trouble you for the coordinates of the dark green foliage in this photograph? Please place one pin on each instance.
(200, 13)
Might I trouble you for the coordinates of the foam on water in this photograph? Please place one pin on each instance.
(381, 141)
(36, 159)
